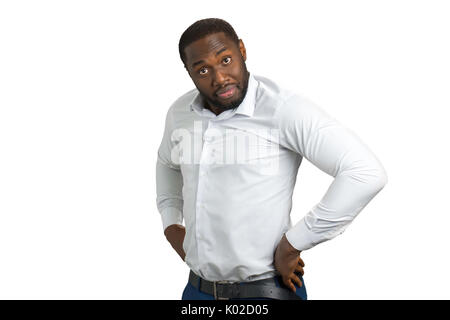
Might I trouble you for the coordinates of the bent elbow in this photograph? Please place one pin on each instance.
(380, 180)
(371, 178)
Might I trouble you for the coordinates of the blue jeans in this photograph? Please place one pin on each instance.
(192, 293)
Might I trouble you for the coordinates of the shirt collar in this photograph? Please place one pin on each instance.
(247, 106)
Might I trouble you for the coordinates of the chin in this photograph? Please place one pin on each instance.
(230, 104)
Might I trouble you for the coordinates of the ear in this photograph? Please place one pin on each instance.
(242, 49)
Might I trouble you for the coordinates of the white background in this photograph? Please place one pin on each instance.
(84, 90)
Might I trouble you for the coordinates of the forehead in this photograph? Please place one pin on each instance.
(207, 46)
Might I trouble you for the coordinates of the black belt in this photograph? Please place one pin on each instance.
(222, 290)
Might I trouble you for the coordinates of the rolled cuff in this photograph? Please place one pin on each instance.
(171, 216)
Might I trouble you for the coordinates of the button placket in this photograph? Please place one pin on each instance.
(200, 187)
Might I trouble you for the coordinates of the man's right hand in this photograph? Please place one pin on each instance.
(175, 235)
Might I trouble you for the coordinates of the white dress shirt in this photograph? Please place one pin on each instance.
(231, 177)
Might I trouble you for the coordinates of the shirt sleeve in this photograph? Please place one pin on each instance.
(169, 180)
(358, 175)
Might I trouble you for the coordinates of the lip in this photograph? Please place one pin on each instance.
(226, 92)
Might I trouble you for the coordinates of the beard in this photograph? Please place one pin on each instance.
(232, 104)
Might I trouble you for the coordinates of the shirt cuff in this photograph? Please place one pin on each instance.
(171, 216)
(302, 238)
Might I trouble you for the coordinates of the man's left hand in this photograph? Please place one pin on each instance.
(287, 261)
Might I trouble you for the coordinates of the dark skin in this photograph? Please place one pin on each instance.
(216, 65)
(175, 235)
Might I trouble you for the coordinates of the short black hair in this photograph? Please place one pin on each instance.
(202, 28)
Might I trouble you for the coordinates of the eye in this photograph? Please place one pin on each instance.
(227, 60)
(203, 71)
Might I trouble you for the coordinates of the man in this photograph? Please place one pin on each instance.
(236, 198)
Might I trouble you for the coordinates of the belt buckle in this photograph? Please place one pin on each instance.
(215, 283)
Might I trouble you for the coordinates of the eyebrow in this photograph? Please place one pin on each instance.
(201, 61)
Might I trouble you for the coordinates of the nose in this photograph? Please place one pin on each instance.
(219, 78)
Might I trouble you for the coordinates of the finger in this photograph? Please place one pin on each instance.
(300, 262)
(289, 284)
(297, 280)
(299, 269)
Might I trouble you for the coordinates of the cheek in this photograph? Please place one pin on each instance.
(205, 88)
(236, 67)
(237, 70)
